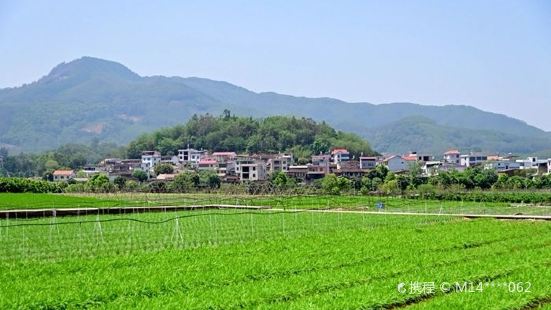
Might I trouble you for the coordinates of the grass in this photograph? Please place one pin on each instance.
(276, 260)
(23, 201)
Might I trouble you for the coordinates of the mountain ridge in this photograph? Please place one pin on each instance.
(91, 98)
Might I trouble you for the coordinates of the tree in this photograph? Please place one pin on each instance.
(51, 165)
(140, 175)
(183, 182)
(99, 183)
(163, 169)
(120, 182)
(280, 180)
(213, 181)
(390, 187)
(334, 185)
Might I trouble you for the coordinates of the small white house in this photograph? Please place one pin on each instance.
(452, 157)
(150, 159)
(396, 163)
(340, 154)
(64, 175)
(190, 156)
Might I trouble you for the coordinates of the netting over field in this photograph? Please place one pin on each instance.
(56, 238)
(391, 204)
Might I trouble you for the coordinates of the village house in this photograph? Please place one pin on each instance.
(452, 157)
(115, 167)
(250, 169)
(190, 156)
(339, 155)
(280, 163)
(540, 165)
(473, 159)
(63, 175)
(316, 172)
(149, 160)
(367, 162)
(207, 164)
(349, 169)
(224, 157)
(396, 163)
(322, 161)
(299, 172)
(431, 168)
(414, 156)
(502, 165)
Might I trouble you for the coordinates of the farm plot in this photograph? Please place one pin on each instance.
(236, 259)
(391, 204)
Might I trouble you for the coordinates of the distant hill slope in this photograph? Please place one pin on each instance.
(93, 98)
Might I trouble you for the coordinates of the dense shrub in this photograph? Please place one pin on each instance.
(21, 185)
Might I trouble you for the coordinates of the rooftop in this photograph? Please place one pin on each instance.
(63, 172)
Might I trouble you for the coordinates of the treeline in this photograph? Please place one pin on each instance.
(300, 136)
(473, 184)
(69, 156)
(20, 185)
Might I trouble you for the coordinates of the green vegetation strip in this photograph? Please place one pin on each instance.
(283, 261)
(391, 204)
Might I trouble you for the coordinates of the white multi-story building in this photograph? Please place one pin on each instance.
(452, 157)
(340, 154)
(473, 159)
(150, 159)
(190, 156)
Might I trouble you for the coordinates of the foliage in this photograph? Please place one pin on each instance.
(120, 182)
(226, 260)
(73, 156)
(183, 182)
(100, 183)
(163, 169)
(139, 175)
(334, 185)
(269, 135)
(19, 185)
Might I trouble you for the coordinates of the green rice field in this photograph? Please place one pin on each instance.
(228, 259)
(391, 204)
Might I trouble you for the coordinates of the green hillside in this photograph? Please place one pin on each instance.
(93, 98)
(423, 134)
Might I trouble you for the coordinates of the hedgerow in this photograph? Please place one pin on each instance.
(21, 185)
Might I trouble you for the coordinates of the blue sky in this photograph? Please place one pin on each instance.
(495, 55)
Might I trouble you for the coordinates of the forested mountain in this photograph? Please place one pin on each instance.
(300, 136)
(92, 98)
